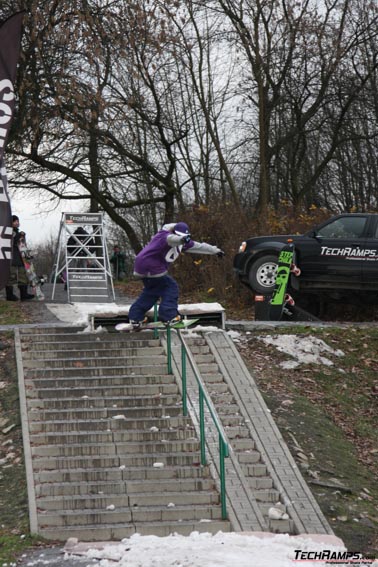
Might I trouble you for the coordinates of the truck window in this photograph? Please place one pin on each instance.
(345, 227)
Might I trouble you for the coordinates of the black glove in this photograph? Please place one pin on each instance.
(185, 239)
(220, 254)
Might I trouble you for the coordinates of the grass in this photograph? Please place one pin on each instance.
(12, 546)
(12, 313)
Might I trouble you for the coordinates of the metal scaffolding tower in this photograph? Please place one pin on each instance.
(82, 259)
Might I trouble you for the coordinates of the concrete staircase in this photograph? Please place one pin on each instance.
(108, 452)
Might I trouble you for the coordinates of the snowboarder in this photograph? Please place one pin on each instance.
(152, 264)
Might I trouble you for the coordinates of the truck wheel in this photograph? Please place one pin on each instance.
(262, 274)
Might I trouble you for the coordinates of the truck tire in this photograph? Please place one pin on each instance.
(262, 274)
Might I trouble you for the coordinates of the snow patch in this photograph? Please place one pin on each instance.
(305, 350)
(206, 550)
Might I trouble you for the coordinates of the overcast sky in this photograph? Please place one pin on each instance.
(39, 225)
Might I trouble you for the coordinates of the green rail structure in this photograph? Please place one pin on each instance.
(203, 399)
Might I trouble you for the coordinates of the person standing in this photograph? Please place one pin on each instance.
(79, 248)
(18, 275)
(118, 261)
(152, 264)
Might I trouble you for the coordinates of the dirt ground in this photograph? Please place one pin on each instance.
(328, 417)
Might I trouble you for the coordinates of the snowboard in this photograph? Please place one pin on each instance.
(183, 324)
(30, 270)
(280, 297)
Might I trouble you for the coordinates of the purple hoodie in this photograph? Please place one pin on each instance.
(156, 257)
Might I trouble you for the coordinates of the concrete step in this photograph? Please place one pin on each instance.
(257, 469)
(87, 403)
(264, 507)
(97, 362)
(85, 381)
(244, 444)
(229, 420)
(228, 409)
(249, 457)
(85, 413)
(211, 377)
(221, 398)
(216, 389)
(116, 405)
(281, 526)
(200, 349)
(80, 341)
(109, 449)
(195, 341)
(237, 432)
(266, 495)
(122, 425)
(207, 368)
(204, 358)
(103, 501)
(260, 482)
(104, 372)
(129, 487)
(116, 461)
(72, 331)
(95, 350)
(117, 532)
(121, 474)
(107, 436)
(139, 514)
(49, 331)
(130, 395)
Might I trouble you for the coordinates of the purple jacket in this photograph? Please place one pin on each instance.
(156, 257)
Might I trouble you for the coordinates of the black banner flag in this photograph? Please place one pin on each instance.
(10, 43)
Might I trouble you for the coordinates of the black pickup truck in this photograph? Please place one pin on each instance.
(339, 255)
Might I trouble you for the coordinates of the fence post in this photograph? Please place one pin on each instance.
(156, 332)
(222, 454)
(183, 376)
(202, 427)
(169, 349)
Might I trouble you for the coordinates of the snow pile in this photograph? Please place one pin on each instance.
(80, 313)
(206, 550)
(234, 336)
(306, 350)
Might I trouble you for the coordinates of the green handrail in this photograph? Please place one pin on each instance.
(203, 398)
(156, 332)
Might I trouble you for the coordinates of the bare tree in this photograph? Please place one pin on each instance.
(93, 121)
(296, 56)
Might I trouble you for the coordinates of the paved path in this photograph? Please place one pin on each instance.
(40, 313)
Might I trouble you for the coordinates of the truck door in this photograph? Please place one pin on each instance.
(337, 253)
(370, 266)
